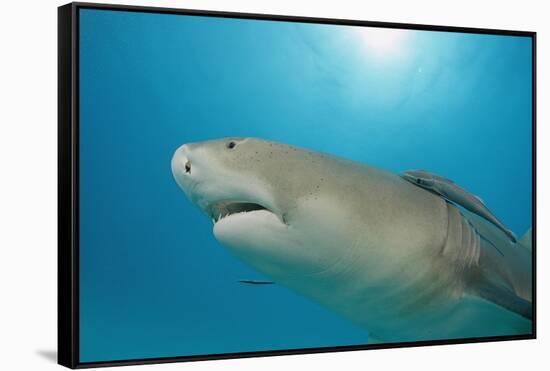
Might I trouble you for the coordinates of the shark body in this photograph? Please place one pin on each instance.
(369, 245)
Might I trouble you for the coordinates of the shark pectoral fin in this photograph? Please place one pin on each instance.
(504, 297)
(527, 240)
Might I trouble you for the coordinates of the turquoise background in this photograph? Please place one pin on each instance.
(153, 281)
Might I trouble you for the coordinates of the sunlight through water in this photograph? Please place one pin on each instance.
(383, 42)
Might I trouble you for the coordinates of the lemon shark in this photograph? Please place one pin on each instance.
(390, 256)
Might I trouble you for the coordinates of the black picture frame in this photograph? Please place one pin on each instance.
(68, 181)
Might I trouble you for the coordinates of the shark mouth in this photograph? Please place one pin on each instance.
(225, 209)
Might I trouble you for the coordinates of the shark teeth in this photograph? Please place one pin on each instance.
(224, 209)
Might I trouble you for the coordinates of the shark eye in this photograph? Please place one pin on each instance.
(231, 145)
(418, 181)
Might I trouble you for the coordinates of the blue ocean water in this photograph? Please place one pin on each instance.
(153, 280)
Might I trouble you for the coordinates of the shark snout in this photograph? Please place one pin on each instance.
(182, 165)
(192, 170)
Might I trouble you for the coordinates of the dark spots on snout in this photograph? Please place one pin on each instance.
(231, 145)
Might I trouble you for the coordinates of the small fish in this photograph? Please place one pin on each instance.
(257, 282)
(452, 192)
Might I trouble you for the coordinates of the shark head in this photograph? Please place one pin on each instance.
(211, 175)
(266, 201)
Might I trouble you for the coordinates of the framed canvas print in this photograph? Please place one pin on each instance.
(235, 185)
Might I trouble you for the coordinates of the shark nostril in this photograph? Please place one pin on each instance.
(188, 167)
